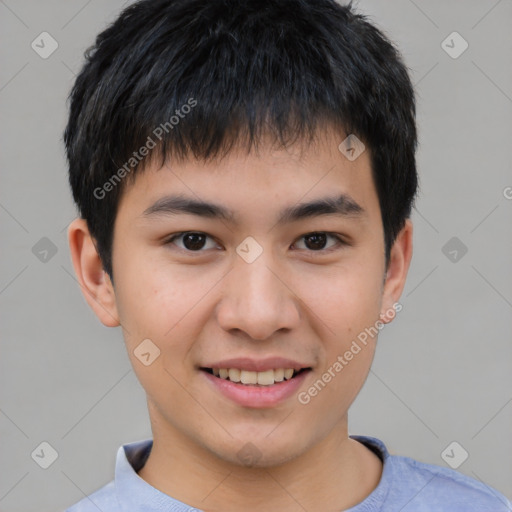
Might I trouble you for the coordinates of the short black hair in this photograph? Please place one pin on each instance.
(199, 77)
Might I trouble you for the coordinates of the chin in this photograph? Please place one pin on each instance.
(260, 451)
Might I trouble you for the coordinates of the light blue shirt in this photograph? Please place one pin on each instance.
(406, 485)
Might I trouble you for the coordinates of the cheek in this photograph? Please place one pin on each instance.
(153, 296)
(169, 306)
(158, 305)
(346, 298)
(346, 303)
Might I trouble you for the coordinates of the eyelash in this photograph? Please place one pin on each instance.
(320, 252)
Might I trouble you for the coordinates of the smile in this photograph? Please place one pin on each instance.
(255, 389)
(253, 378)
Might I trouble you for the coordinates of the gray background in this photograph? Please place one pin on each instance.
(442, 371)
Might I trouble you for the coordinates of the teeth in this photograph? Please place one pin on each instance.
(266, 378)
(279, 375)
(248, 377)
(234, 375)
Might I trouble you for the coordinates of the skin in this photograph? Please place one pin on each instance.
(293, 301)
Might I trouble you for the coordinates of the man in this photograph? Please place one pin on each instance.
(245, 173)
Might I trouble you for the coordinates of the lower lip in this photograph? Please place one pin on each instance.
(257, 396)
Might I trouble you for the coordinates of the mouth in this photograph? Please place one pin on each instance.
(255, 383)
(249, 378)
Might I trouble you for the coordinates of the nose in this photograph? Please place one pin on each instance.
(257, 300)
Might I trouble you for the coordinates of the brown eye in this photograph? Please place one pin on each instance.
(316, 241)
(191, 240)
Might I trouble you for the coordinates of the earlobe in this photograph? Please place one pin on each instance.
(94, 282)
(399, 262)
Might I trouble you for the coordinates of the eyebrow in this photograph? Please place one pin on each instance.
(342, 205)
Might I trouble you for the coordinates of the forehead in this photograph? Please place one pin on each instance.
(269, 179)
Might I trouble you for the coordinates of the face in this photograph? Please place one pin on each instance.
(266, 286)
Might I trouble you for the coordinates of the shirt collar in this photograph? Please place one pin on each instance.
(134, 493)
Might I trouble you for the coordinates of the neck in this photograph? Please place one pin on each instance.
(335, 474)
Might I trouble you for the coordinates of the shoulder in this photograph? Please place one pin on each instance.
(102, 499)
(431, 486)
(127, 490)
(413, 486)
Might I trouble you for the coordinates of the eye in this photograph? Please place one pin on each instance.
(193, 241)
(316, 241)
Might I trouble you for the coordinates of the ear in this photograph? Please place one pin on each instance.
(94, 281)
(398, 266)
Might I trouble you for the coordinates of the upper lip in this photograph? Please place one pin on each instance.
(257, 365)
